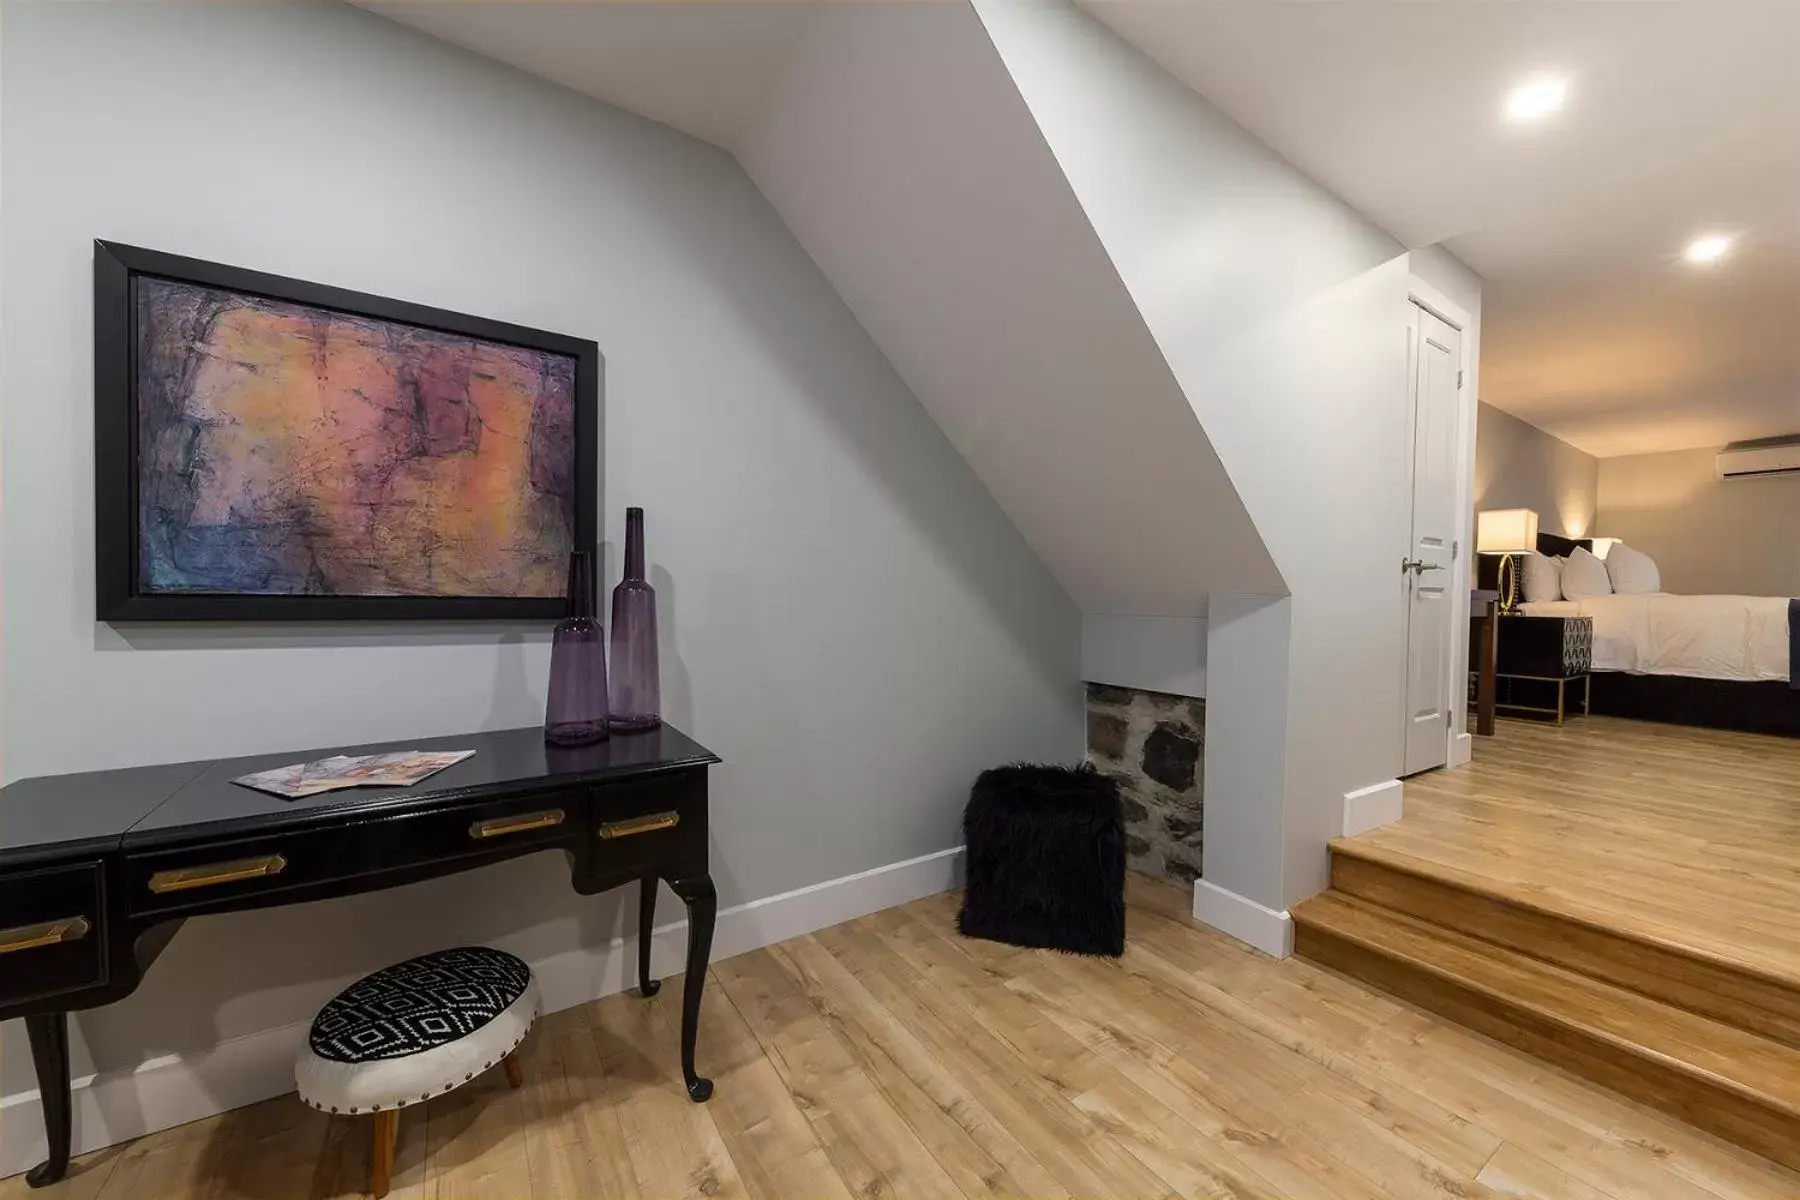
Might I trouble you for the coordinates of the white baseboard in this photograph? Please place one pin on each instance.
(1372, 807)
(174, 1089)
(1462, 749)
(1264, 929)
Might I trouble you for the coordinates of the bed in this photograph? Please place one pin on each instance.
(1718, 661)
(1741, 639)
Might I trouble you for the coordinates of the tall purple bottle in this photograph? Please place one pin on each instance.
(576, 712)
(636, 678)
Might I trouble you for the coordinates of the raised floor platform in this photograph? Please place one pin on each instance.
(1620, 898)
(1686, 836)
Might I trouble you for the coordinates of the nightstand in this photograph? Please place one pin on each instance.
(1538, 660)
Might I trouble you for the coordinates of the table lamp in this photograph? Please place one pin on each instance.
(1506, 532)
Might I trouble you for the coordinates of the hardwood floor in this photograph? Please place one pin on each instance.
(889, 1058)
(1617, 898)
(1686, 837)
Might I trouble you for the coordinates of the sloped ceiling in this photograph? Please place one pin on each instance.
(893, 144)
(900, 153)
(703, 68)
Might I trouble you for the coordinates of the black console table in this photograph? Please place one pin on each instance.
(98, 870)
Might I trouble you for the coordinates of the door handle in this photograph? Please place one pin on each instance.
(1417, 566)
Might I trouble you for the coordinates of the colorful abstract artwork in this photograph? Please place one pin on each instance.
(290, 450)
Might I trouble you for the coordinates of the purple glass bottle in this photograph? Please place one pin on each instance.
(576, 712)
(636, 677)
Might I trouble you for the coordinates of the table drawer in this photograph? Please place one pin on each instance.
(173, 881)
(659, 823)
(50, 932)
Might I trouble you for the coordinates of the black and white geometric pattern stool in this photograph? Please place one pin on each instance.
(412, 1031)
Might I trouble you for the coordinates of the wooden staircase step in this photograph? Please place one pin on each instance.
(1737, 991)
(1734, 1083)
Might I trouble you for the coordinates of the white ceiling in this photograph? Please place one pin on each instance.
(702, 67)
(1683, 117)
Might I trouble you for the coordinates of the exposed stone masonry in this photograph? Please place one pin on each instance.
(1152, 744)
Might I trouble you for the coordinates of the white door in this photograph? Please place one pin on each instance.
(1436, 361)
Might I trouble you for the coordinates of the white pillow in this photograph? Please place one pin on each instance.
(1633, 573)
(1542, 578)
(1585, 576)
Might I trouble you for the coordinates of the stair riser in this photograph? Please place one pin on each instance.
(1762, 1006)
(1693, 1098)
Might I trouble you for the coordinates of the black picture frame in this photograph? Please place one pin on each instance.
(117, 594)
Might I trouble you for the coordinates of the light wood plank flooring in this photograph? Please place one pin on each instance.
(1690, 836)
(889, 1058)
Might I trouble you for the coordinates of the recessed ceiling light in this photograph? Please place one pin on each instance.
(1536, 98)
(1710, 248)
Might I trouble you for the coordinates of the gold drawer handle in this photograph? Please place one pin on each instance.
(50, 933)
(621, 829)
(217, 873)
(501, 826)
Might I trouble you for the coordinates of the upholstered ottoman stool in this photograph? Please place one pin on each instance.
(1046, 860)
(412, 1031)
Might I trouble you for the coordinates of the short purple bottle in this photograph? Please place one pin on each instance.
(575, 714)
(636, 672)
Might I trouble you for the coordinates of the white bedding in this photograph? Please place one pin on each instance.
(1704, 637)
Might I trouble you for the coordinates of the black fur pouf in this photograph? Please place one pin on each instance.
(1046, 860)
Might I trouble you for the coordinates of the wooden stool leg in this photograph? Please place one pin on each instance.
(515, 1070)
(381, 1156)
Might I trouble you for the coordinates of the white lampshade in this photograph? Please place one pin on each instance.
(1603, 546)
(1505, 531)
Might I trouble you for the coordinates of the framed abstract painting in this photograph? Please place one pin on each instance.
(269, 449)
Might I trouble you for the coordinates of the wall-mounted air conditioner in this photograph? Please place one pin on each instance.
(1768, 456)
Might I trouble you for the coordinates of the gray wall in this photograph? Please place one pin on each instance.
(1708, 536)
(1282, 313)
(1520, 466)
(1153, 654)
(847, 616)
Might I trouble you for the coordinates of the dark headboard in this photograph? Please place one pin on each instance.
(1555, 546)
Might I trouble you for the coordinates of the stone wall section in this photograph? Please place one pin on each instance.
(1153, 744)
